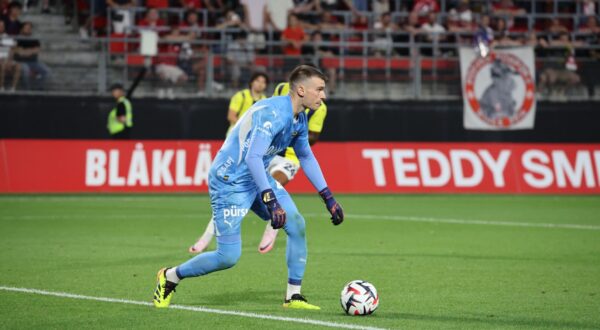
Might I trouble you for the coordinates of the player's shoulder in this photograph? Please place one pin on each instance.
(281, 89)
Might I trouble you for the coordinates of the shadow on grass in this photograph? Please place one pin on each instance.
(236, 299)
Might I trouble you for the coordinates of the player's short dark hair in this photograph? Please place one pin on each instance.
(303, 72)
(255, 76)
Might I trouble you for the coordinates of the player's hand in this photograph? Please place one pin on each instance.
(277, 213)
(337, 214)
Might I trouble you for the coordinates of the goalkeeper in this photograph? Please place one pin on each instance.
(238, 183)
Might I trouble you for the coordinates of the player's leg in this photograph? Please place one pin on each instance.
(296, 251)
(283, 171)
(228, 211)
(205, 239)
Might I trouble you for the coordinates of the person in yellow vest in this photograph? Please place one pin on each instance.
(282, 168)
(120, 118)
(244, 99)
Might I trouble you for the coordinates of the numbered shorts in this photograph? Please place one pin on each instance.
(284, 166)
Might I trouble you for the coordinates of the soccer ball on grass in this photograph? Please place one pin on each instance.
(359, 298)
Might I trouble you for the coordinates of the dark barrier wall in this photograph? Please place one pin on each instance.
(85, 118)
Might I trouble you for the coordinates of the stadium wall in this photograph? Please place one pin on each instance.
(59, 117)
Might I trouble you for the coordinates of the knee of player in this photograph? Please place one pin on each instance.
(229, 257)
(295, 224)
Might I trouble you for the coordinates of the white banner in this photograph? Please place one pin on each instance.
(498, 89)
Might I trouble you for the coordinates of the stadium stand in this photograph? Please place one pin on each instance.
(409, 48)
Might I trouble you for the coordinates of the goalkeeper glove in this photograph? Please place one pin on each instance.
(337, 214)
(275, 210)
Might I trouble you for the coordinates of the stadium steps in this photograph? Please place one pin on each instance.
(73, 62)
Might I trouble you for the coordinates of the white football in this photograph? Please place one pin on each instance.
(359, 298)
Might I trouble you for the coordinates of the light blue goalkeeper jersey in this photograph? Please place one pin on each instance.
(264, 131)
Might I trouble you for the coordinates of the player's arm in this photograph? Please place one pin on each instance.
(313, 172)
(260, 140)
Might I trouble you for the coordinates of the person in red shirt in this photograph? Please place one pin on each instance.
(293, 37)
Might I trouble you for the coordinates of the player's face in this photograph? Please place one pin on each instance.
(259, 84)
(314, 93)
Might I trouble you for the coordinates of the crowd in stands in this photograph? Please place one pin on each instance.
(296, 28)
(189, 29)
(19, 51)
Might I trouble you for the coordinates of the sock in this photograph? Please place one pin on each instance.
(172, 275)
(291, 290)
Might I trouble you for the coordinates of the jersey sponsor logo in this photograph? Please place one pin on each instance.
(267, 125)
(234, 211)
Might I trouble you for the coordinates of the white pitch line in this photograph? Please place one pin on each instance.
(470, 222)
(191, 308)
(323, 215)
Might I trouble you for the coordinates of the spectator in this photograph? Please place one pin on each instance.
(304, 10)
(559, 76)
(329, 22)
(507, 9)
(254, 15)
(434, 30)
(589, 7)
(460, 18)
(384, 28)
(152, 21)
(424, 7)
(7, 64)
(503, 36)
(412, 25)
(590, 26)
(231, 20)
(556, 27)
(293, 37)
(191, 25)
(121, 17)
(276, 13)
(240, 57)
(12, 24)
(167, 67)
(26, 54)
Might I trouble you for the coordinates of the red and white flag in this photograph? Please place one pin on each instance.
(498, 89)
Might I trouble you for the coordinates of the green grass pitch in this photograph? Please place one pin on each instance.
(440, 261)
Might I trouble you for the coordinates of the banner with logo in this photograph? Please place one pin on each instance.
(53, 166)
(498, 89)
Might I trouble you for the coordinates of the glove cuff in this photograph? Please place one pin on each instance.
(326, 194)
(268, 196)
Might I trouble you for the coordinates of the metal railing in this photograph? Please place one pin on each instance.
(365, 64)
